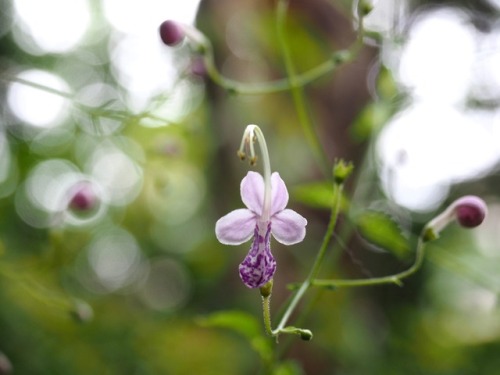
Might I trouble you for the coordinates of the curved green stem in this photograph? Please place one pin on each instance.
(391, 279)
(336, 59)
(242, 88)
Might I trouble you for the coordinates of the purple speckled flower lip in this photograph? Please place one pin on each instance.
(286, 226)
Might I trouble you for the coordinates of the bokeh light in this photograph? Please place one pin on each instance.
(421, 160)
(136, 17)
(167, 285)
(141, 63)
(38, 107)
(99, 95)
(118, 175)
(115, 261)
(174, 194)
(52, 26)
(436, 61)
(437, 140)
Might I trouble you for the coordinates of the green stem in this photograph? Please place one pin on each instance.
(266, 311)
(318, 261)
(92, 111)
(391, 279)
(305, 120)
(279, 85)
(299, 80)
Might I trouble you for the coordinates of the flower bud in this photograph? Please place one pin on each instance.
(266, 289)
(83, 197)
(171, 33)
(306, 335)
(470, 211)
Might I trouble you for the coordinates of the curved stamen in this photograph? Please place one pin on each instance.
(254, 133)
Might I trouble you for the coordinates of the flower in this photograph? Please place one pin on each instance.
(259, 222)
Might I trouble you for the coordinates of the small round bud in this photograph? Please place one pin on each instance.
(83, 197)
(306, 335)
(365, 7)
(470, 211)
(171, 33)
(341, 171)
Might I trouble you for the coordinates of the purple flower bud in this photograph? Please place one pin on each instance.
(171, 33)
(83, 197)
(470, 211)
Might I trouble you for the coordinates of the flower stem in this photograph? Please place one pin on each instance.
(391, 279)
(305, 120)
(118, 115)
(280, 85)
(318, 261)
(266, 312)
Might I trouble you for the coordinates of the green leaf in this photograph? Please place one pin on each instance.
(379, 229)
(238, 321)
(243, 323)
(316, 194)
(288, 368)
(370, 120)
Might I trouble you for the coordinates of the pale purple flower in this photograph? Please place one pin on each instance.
(239, 226)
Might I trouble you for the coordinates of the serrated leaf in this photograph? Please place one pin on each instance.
(379, 229)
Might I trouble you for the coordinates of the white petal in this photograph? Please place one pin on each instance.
(252, 191)
(236, 227)
(288, 227)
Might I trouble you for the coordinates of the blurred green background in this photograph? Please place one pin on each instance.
(130, 278)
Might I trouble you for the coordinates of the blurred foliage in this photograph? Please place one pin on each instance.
(139, 285)
(382, 231)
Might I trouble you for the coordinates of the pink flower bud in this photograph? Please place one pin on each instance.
(83, 197)
(171, 33)
(470, 211)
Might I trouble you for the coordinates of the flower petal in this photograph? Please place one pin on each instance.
(259, 265)
(236, 227)
(279, 193)
(252, 192)
(288, 227)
